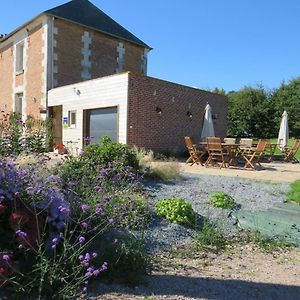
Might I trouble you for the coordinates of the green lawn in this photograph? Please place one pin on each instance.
(278, 153)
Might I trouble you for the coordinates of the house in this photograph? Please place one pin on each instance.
(80, 67)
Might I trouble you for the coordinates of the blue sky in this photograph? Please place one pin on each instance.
(213, 43)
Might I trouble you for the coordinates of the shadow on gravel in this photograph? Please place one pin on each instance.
(212, 289)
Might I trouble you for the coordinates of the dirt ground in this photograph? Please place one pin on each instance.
(240, 273)
(275, 171)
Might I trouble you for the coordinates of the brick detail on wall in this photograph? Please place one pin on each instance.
(120, 59)
(86, 52)
(165, 131)
(133, 58)
(67, 46)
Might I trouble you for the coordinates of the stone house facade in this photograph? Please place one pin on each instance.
(89, 74)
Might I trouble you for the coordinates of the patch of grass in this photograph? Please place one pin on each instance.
(223, 200)
(278, 152)
(210, 238)
(166, 170)
(160, 169)
(294, 193)
(267, 243)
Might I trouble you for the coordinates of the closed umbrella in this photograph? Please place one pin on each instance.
(283, 135)
(208, 125)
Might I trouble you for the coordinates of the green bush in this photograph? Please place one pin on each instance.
(126, 256)
(220, 199)
(294, 193)
(177, 210)
(107, 151)
(210, 238)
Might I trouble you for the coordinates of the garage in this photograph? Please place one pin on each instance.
(103, 122)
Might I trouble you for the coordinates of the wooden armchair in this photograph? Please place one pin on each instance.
(290, 153)
(253, 157)
(216, 153)
(196, 153)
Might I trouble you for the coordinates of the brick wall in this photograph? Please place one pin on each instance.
(35, 69)
(103, 54)
(30, 82)
(6, 77)
(165, 132)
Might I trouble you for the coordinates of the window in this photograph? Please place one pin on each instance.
(72, 118)
(18, 109)
(20, 58)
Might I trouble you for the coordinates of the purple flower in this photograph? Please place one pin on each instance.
(84, 290)
(107, 198)
(91, 269)
(104, 266)
(21, 234)
(85, 208)
(80, 257)
(110, 221)
(85, 225)
(5, 257)
(94, 254)
(81, 240)
(96, 272)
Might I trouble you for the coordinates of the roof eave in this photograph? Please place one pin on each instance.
(96, 29)
(58, 17)
(20, 28)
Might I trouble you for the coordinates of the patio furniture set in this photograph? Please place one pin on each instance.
(232, 152)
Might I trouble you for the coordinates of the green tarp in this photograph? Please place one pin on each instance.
(282, 220)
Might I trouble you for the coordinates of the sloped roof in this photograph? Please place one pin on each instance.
(85, 13)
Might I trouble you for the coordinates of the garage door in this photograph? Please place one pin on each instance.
(103, 122)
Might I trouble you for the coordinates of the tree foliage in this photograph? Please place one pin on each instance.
(287, 97)
(256, 112)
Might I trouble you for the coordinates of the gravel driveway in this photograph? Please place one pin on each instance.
(249, 194)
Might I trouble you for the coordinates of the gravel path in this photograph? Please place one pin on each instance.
(249, 194)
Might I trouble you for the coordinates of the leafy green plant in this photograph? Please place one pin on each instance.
(220, 199)
(210, 238)
(177, 210)
(107, 151)
(294, 193)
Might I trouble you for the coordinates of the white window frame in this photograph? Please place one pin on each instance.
(20, 56)
(72, 118)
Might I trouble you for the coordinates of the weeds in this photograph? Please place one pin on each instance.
(294, 193)
(210, 238)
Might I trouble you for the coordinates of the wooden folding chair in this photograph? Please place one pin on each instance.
(254, 156)
(196, 154)
(290, 153)
(216, 153)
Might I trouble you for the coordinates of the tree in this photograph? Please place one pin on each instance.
(287, 97)
(250, 113)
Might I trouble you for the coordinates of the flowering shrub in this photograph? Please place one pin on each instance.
(49, 226)
(17, 136)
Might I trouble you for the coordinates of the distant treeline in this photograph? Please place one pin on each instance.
(256, 112)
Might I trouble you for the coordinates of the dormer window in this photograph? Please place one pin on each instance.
(20, 58)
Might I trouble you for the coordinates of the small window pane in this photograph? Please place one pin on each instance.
(20, 57)
(72, 118)
(19, 104)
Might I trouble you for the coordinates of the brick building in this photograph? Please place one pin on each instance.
(88, 73)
